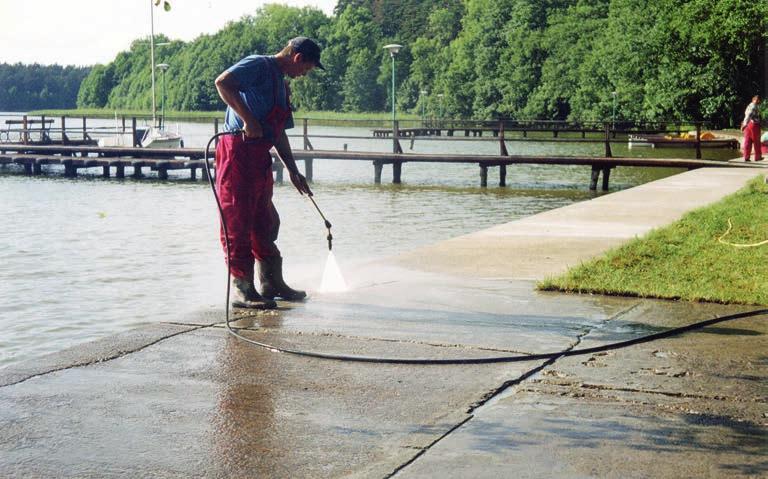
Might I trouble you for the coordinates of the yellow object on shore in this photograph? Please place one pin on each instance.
(691, 135)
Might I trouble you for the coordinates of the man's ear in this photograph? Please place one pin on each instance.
(298, 58)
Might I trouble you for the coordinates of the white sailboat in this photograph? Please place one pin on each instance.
(156, 135)
(159, 137)
(121, 137)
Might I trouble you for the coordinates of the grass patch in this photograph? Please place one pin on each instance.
(685, 260)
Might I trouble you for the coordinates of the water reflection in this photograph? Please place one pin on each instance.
(243, 427)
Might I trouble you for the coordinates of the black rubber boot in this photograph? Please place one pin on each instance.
(244, 295)
(272, 283)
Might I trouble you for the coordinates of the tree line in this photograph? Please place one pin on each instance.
(654, 60)
(28, 87)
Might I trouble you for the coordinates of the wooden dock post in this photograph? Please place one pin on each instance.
(377, 167)
(307, 143)
(44, 133)
(69, 169)
(85, 129)
(105, 171)
(134, 140)
(483, 176)
(309, 169)
(608, 152)
(64, 138)
(502, 175)
(137, 174)
(397, 166)
(396, 148)
(606, 175)
(120, 171)
(698, 140)
(606, 170)
(162, 172)
(27, 168)
(24, 134)
(595, 177)
(397, 172)
(502, 143)
(192, 173)
(38, 168)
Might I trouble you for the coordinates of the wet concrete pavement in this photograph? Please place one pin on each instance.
(189, 400)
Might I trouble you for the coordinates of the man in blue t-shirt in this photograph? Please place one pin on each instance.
(258, 105)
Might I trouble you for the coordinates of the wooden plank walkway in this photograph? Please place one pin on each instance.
(162, 160)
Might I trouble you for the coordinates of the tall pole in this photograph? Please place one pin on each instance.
(393, 49)
(393, 90)
(152, 58)
(163, 102)
(421, 97)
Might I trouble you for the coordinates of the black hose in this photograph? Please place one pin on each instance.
(457, 361)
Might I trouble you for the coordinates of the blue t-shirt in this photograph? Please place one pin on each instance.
(256, 75)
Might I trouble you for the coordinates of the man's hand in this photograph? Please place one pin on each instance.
(253, 130)
(300, 183)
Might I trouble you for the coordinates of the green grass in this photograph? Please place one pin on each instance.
(330, 116)
(685, 260)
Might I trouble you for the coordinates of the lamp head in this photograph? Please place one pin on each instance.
(393, 48)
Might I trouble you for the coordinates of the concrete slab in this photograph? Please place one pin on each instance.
(204, 404)
(551, 242)
(691, 406)
(91, 353)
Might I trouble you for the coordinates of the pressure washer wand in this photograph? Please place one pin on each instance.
(327, 224)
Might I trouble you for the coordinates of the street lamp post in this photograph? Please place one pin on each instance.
(613, 117)
(440, 96)
(163, 67)
(422, 93)
(393, 48)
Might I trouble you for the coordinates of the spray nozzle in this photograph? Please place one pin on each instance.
(327, 223)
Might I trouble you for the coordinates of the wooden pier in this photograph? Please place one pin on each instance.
(467, 128)
(116, 159)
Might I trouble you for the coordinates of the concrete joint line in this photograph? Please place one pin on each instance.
(517, 381)
(385, 340)
(603, 387)
(117, 355)
(423, 450)
(507, 384)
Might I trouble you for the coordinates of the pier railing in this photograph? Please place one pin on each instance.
(38, 142)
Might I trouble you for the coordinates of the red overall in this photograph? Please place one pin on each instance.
(244, 183)
(752, 137)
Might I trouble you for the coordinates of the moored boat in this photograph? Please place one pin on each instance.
(685, 140)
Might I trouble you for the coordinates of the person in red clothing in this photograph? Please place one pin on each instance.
(258, 104)
(751, 128)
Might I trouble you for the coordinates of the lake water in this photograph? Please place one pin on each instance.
(87, 257)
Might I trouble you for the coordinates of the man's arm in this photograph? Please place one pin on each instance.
(229, 91)
(283, 147)
(748, 115)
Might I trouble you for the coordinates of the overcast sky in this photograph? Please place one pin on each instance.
(85, 32)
